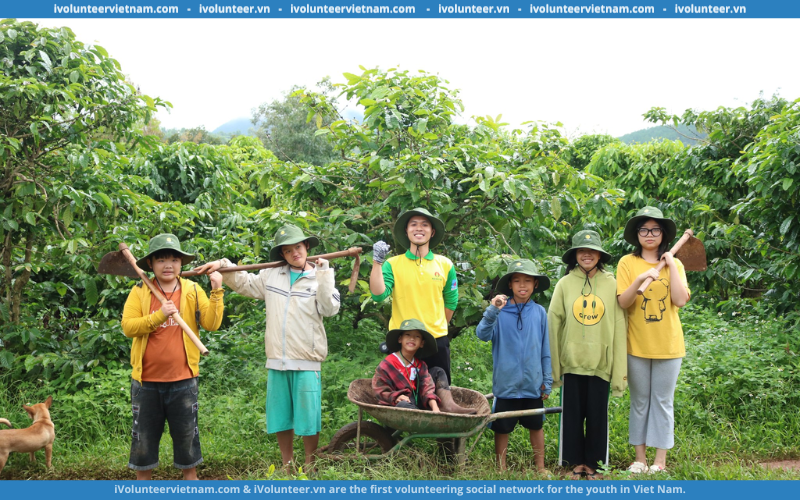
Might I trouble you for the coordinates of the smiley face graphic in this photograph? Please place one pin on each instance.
(588, 309)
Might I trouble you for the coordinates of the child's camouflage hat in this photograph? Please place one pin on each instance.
(427, 350)
(289, 235)
(163, 241)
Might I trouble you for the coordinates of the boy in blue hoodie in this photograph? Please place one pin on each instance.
(522, 375)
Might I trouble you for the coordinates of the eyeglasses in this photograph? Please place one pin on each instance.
(643, 231)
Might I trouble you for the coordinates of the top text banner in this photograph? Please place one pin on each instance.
(402, 9)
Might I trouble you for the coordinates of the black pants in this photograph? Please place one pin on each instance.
(584, 399)
(442, 356)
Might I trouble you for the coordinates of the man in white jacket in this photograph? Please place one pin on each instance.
(296, 297)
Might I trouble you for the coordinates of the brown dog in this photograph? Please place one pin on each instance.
(40, 434)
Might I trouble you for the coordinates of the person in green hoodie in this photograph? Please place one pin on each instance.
(588, 346)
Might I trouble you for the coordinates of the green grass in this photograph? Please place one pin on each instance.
(722, 432)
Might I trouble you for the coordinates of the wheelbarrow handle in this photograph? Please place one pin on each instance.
(524, 413)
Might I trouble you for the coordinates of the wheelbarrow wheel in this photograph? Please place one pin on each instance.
(373, 437)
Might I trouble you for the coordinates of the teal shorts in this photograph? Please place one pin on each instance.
(294, 401)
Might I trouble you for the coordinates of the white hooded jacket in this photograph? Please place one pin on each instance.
(295, 336)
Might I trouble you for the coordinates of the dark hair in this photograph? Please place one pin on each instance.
(573, 263)
(166, 253)
(662, 248)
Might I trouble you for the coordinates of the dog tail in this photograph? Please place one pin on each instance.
(6, 422)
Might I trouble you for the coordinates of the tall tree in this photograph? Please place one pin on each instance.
(288, 129)
(65, 109)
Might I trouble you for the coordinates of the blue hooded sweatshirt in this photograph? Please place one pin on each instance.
(521, 357)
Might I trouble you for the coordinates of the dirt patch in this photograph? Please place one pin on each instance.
(787, 465)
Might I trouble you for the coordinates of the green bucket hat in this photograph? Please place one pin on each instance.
(523, 266)
(429, 349)
(586, 239)
(399, 231)
(667, 225)
(289, 235)
(164, 241)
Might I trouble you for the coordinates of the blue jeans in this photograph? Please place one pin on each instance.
(153, 404)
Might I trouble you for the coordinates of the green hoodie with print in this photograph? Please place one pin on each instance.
(588, 330)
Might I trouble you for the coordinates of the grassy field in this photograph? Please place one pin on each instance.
(736, 407)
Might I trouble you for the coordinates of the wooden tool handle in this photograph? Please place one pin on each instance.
(132, 260)
(686, 235)
(354, 275)
(350, 252)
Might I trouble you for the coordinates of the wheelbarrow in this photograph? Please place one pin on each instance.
(364, 438)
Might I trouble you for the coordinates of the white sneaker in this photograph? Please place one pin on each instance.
(654, 469)
(637, 468)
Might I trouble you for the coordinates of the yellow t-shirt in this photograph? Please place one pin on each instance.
(654, 328)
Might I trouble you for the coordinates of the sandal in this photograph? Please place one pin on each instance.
(654, 469)
(637, 468)
(594, 476)
(578, 474)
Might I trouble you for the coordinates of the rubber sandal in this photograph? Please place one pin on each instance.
(655, 469)
(578, 475)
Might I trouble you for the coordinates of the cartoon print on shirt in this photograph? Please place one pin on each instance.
(654, 303)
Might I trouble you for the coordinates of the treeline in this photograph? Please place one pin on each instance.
(80, 173)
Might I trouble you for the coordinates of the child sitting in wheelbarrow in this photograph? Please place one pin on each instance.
(403, 381)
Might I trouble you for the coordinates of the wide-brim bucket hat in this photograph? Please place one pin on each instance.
(522, 266)
(426, 351)
(668, 227)
(164, 241)
(586, 239)
(289, 235)
(399, 231)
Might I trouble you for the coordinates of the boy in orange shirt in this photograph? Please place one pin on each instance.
(165, 362)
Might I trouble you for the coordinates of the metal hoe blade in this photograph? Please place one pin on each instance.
(115, 263)
(693, 255)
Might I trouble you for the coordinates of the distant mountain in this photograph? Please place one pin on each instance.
(687, 135)
(238, 126)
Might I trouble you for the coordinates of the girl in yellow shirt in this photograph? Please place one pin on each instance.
(655, 335)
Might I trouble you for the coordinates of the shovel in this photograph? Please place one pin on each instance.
(689, 250)
(123, 263)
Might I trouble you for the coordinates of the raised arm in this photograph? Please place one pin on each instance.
(328, 298)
